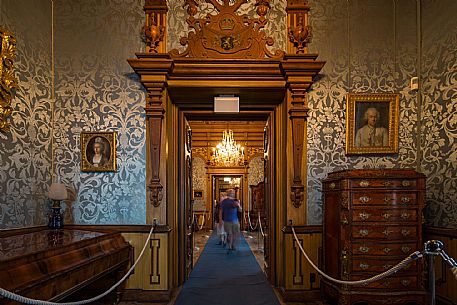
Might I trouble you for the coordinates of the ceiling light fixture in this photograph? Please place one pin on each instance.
(228, 153)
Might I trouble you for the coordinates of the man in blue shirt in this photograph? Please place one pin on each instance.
(228, 213)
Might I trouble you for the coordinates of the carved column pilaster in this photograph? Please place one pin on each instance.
(154, 120)
(298, 114)
(299, 71)
(153, 70)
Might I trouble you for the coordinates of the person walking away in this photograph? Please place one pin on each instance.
(228, 212)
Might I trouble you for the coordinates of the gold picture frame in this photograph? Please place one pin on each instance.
(98, 151)
(8, 80)
(197, 195)
(372, 123)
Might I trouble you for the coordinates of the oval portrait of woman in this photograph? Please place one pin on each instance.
(98, 151)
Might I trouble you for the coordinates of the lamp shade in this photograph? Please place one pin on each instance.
(57, 191)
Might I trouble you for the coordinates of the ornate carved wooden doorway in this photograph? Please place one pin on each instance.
(227, 54)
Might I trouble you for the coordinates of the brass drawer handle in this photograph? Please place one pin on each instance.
(364, 199)
(364, 249)
(364, 215)
(387, 232)
(332, 185)
(363, 232)
(364, 266)
(364, 183)
(386, 250)
(405, 249)
(405, 199)
(405, 216)
(387, 199)
(406, 183)
(405, 283)
(405, 232)
(386, 215)
(344, 221)
(387, 266)
(387, 183)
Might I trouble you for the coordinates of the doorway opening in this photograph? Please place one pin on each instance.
(211, 181)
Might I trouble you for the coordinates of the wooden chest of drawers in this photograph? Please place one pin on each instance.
(372, 221)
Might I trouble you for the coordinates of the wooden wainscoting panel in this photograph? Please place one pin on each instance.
(299, 273)
(151, 272)
(137, 241)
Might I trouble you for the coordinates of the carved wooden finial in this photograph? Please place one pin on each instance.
(153, 32)
(153, 35)
(300, 35)
(299, 31)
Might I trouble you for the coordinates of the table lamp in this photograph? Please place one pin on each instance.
(57, 192)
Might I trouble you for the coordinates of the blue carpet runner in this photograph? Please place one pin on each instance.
(219, 278)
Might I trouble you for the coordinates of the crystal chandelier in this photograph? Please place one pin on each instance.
(228, 153)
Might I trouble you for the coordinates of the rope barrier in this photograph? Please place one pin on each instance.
(412, 257)
(260, 224)
(15, 297)
(250, 223)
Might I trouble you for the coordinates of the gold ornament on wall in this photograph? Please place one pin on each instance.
(8, 80)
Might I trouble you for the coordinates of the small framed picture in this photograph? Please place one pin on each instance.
(98, 151)
(198, 195)
(372, 123)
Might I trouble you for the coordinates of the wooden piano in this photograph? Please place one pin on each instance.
(53, 264)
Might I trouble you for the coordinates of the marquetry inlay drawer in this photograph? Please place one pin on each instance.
(384, 183)
(384, 215)
(381, 198)
(384, 232)
(384, 249)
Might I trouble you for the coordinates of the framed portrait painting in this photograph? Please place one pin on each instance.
(98, 151)
(372, 123)
(198, 195)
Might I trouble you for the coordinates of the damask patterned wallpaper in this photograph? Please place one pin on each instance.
(98, 91)
(25, 154)
(439, 110)
(199, 182)
(255, 172)
(369, 46)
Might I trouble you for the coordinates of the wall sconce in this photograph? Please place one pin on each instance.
(57, 192)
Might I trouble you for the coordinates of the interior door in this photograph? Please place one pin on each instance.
(268, 219)
(188, 201)
(185, 219)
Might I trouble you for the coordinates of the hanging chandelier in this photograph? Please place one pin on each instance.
(228, 153)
